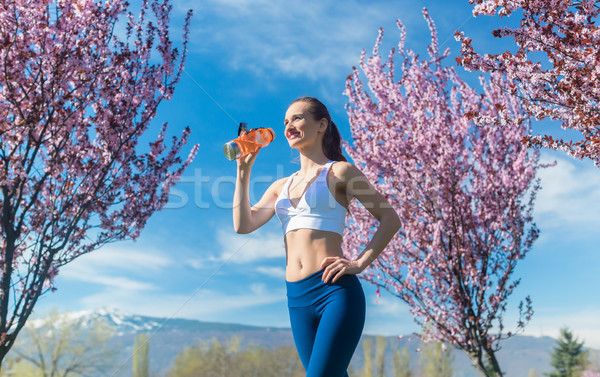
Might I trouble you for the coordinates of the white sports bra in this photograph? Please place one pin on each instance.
(317, 208)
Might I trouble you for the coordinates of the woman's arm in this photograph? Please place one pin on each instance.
(241, 201)
(247, 219)
(356, 185)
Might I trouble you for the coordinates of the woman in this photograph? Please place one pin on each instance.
(325, 299)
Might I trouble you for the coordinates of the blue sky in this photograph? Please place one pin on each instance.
(253, 58)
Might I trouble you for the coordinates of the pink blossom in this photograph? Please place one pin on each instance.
(451, 162)
(74, 101)
(566, 87)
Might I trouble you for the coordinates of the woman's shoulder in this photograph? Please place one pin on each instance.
(344, 170)
(278, 184)
(339, 165)
(281, 181)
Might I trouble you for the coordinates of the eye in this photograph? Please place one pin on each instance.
(294, 118)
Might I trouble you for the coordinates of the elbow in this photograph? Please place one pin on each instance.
(242, 227)
(393, 221)
(239, 229)
(397, 223)
(397, 227)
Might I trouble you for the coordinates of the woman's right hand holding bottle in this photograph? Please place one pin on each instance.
(246, 162)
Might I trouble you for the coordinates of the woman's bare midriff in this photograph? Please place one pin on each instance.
(306, 249)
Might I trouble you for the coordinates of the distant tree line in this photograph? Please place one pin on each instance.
(435, 360)
(215, 359)
(62, 346)
(72, 347)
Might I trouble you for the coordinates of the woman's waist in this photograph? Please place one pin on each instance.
(302, 262)
(306, 249)
(309, 242)
(312, 289)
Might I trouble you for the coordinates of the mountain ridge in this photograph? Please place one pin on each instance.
(170, 336)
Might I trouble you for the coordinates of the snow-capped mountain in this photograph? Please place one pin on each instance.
(122, 322)
(126, 323)
(170, 336)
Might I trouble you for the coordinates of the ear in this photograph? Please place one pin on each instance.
(323, 125)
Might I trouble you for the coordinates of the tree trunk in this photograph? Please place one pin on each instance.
(8, 340)
(9, 248)
(493, 363)
(491, 370)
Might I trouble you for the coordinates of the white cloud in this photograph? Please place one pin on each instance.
(570, 195)
(129, 257)
(388, 315)
(127, 278)
(276, 272)
(388, 305)
(112, 282)
(196, 264)
(309, 38)
(582, 322)
(112, 267)
(203, 304)
(258, 288)
(244, 248)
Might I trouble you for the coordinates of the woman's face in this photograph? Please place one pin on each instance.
(300, 126)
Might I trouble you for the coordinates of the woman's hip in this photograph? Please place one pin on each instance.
(311, 290)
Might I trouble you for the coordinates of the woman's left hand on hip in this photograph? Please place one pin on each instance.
(335, 267)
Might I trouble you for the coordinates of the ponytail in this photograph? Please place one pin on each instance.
(332, 143)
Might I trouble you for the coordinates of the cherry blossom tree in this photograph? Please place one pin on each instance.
(451, 162)
(74, 102)
(555, 70)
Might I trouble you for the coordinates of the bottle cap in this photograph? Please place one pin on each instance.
(272, 133)
(242, 127)
(231, 150)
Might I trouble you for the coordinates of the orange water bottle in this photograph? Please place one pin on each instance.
(249, 142)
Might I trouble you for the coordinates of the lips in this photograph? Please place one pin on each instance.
(292, 135)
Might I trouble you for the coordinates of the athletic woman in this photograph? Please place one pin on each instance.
(325, 298)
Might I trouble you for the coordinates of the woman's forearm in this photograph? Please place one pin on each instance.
(241, 200)
(388, 226)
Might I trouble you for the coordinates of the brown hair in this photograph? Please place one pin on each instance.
(332, 140)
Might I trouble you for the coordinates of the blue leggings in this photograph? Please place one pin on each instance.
(327, 320)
